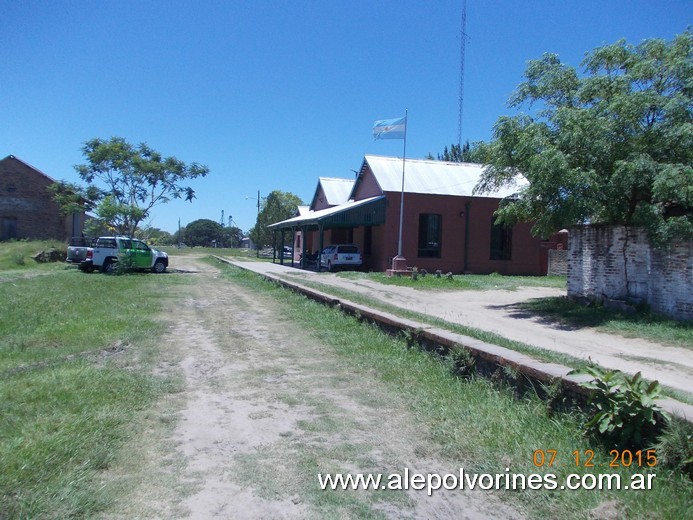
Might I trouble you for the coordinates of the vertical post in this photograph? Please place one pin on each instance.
(467, 208)
(320, 246)
(257, 246)
(399, 263)
(401, 199)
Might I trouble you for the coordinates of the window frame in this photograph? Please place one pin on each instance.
(430, 233)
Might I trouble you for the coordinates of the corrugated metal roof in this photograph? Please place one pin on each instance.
(336, 190)
(430, 176)
(349, 214)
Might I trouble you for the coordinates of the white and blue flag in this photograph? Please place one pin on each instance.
(390, 128)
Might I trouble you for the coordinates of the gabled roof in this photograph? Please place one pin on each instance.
(13, 158)
(429, 176)
(336, 190)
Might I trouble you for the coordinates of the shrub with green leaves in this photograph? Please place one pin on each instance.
(675, 447)
(625, 412)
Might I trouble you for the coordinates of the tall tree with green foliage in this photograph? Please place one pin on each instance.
(232, 236)
(124, 182)
(276, 207)
(203, 232)
(613, 145)
(467, 153)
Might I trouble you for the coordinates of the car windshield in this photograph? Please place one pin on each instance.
(348, 249)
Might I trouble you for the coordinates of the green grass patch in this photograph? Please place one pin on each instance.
(476, 282)
(66, 400)
(49, 317)
(248, 255)
(62, 425)
(16, 255)
(644, 324)
(479, 425)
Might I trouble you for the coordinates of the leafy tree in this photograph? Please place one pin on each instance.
(468, 153)
(155, 236)
(614, 145)
(203, 232)
(232, 236)
(124, 182)
(276, 207)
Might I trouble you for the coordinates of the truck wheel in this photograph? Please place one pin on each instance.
(159, 267)
(108, 267)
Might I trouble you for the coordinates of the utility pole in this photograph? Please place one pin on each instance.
(257, 246)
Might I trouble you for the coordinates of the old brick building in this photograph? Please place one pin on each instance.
(27, 209)
(445, 225)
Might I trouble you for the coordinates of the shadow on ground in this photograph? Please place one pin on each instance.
(565, 314)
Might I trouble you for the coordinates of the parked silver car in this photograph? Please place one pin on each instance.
(340, 256)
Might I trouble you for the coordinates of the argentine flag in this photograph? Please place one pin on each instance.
(390, 128)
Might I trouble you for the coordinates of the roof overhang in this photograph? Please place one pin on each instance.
(366, 212)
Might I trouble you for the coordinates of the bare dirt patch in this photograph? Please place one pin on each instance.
(264, 407)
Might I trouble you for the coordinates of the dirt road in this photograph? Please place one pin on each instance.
(264, 407)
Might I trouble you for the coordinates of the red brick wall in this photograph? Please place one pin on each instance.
(525, 258)
(526, 250)
(25, 198)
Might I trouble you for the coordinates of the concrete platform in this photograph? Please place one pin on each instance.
(530, 367)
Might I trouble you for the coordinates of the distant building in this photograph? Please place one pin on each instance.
(247, 243)
(27, 208)
(445, 226)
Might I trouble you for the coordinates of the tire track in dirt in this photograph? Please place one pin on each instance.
(265, 407)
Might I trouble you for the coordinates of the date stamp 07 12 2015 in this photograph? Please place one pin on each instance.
(587, 458)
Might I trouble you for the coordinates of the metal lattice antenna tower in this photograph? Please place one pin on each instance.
(463, 42)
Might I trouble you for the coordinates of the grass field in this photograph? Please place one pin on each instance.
(17, 256)
(74, 374)
(75, 377)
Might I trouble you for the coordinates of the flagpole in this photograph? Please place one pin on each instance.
(401, 198)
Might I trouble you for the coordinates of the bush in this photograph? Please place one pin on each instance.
(625, 413)
(675, 447)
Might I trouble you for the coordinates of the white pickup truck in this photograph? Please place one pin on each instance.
(77, 250)
(108, 251)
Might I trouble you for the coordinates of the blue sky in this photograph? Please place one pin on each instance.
(273, 94)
